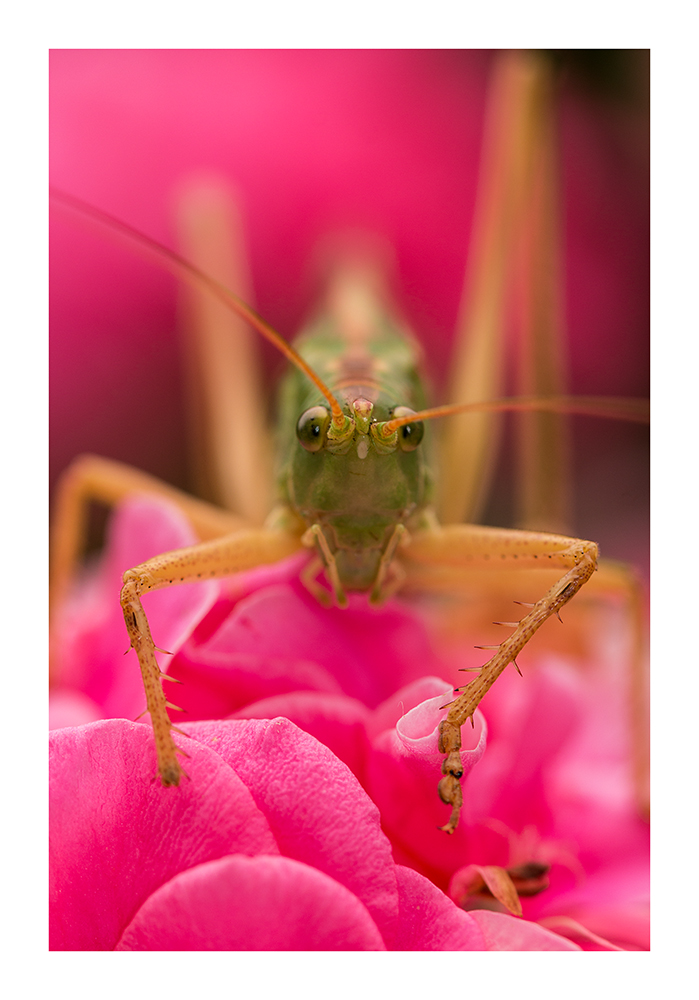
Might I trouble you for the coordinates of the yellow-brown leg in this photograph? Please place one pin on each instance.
(309, 578)
(217, 558)
(314, 537)
(464, 545)
(390, 575)
(90, 478)
(468, 593)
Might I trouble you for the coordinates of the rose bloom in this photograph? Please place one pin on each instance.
(304, 711)
(310, 817)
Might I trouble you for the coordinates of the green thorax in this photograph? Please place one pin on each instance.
(357, 495)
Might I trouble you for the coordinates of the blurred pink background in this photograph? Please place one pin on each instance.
(318, 140)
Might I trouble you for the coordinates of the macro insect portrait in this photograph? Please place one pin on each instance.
(349, 357)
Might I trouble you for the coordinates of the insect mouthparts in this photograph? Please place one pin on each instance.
(363, 447)
(363, 409)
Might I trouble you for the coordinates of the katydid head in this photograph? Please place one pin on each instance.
(355, 489)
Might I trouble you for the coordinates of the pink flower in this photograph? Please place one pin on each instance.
(272, 845)
(544, 782)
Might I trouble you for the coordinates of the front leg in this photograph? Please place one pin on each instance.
(470, 546)
(217, 558)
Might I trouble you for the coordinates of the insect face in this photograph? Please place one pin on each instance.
(357, 485)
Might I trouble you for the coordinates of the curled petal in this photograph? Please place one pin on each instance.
(403, 771)
(418, 730)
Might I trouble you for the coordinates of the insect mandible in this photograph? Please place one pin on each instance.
(354, 405)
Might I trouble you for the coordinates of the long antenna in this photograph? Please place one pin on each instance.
(182, 268)
(612, 407)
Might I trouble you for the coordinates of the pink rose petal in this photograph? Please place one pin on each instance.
(252, 904)
(366, 652)
(218, 683)
(576, 932)
(116, 835)
(431, 922)
(338, 722)
(502, 932)
(429, 919)
(316, 809)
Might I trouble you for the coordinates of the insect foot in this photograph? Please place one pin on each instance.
(452, 768)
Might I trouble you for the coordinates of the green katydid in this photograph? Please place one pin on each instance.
(354, 478)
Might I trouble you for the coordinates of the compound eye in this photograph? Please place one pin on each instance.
(312, 427)
(409, 435)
